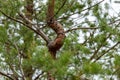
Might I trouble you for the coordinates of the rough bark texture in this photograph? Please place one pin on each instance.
(57, 43)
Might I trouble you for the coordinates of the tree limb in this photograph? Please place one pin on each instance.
(60, 7)
(83, 9)
(91, 34)
(1, 73)
(91, 6)
(107, 51)
(9, 17)
(99, 47)
(41, 33)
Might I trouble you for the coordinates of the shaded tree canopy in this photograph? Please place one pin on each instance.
(59, 40)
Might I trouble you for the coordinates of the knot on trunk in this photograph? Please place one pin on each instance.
(57, 43)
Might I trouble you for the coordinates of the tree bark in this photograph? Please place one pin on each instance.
(57, 43)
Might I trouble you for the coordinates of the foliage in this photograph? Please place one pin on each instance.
(91, 46)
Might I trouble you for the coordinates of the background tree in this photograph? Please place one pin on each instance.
(90, 49)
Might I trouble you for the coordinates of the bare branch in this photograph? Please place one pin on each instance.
(41, 33)
(70, 30)
(92, 6)
(80, 28)
(38, 76)
(107, 51)
(95, 52)
(1, 73)
(61, 7)
(99, 47)
(16, 20)
(114, 21)
(83, 10)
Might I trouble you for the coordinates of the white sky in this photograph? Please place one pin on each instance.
(115, 7)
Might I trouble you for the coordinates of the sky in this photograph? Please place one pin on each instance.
(115, 7)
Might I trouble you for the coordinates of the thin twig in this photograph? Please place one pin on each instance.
(91, 34)
(91, 6)
(15, 74)
(60, 7)
(91, 27)
(99, 47)
(117, 70)
(83, 10)
(80, 28)
(20, 66)
(96, 51)
(107, 51)
(41, 33)
(114, 21)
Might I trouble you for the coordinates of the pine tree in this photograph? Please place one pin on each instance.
(58, 40)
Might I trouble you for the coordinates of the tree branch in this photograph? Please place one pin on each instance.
(91, 34)
(90, 27)
(107, 51)
(114, 21)
(82, 10)
(80, 28)
(19, 60)
(16, 20)
(1, 73)
(60, 7)
(41, 33)
(99, 47)
(91, 6)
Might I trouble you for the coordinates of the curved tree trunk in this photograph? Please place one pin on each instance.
(57, 43)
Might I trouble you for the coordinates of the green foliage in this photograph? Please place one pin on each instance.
(92, 68)
(117, 65)
(96, 11)
(3, 34)
(22, 51)
(117, 60)
(11, 7)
